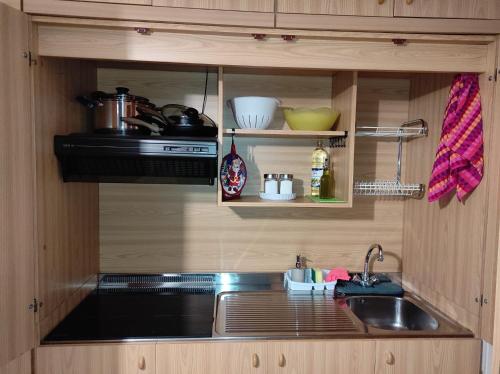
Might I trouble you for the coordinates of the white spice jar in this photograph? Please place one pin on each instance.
(271, 183)
(286, 184)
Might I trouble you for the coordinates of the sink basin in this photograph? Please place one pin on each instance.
(391, 313)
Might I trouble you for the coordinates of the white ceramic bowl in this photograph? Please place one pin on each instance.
(253, 112)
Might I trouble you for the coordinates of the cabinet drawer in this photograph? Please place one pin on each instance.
(239, 5)
(381, 8)
(96, 359)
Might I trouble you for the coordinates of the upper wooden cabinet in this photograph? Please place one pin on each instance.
(129, 2)
(239, 5)
(213, 12)
(382, 8)
(17, 205)
(487, 9)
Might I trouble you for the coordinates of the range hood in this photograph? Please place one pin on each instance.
(136, 159)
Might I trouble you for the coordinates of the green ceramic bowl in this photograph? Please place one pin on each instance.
(304, 119)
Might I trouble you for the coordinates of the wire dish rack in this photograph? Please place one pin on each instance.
(389, 188)
(407, 130)
(393, 188)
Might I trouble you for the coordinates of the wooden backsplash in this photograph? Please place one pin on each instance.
(164, 228)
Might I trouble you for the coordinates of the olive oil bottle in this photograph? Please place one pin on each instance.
(325, 187)
(320, 161)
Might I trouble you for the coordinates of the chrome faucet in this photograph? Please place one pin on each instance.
(365, 280)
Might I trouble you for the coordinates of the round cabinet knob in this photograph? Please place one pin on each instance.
(409, 2)
(389, 358)
(380, 2)
(255, 360)
(282, 361)
(142, 363)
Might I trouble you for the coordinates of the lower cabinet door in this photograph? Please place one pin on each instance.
(211, 357)
(429, 356)
(321, 357)
(96, 359)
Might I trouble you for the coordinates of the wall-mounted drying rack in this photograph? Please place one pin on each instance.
(393, 188)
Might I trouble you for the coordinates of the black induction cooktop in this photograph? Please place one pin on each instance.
(120, 316)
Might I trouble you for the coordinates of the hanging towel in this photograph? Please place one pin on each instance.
(459, 159)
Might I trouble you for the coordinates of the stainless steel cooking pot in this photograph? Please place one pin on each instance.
(111, 108)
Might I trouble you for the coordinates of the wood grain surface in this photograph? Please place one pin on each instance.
(20, 365)
(243, 50)
(429, 356)
(444, 241)
(155, 228)
(337, 7)
(97, 359)
(107, 10)
(17, 192)
(487, 9)
(68, 213)
(239, 5)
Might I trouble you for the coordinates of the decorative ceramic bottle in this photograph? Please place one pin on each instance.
(320, 161)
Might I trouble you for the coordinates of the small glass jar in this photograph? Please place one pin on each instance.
(271, 183)
(286, 184)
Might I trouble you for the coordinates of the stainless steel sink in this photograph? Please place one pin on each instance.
(391, 313)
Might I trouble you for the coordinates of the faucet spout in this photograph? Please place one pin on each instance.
(365, 277)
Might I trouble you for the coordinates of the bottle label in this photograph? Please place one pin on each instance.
(317, 173)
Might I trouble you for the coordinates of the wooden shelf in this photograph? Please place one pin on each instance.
(284, 133)
(302, 202)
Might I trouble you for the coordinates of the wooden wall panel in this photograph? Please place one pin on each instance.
(68, 218)
(17, 192)
(158, 228)
(444, 241)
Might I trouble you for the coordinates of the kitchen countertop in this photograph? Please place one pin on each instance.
(169, 314)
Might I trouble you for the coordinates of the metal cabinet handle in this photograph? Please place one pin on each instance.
(380, 2)
(142, 363)
(389, 358)
(255, 360)
(409, 2)
(282, 361)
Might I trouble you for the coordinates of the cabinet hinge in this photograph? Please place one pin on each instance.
(34, 306)
(494, 76)
(482, 300)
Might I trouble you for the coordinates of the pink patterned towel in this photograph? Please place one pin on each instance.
(459, 159)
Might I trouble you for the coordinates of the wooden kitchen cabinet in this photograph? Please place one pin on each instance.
(17, 194)
(214, 12)
(127, 2)
(211, 357)
(429, 356)
(97, 359)
(474, 9)
(381, 8)
(239, 5)
(321, 357)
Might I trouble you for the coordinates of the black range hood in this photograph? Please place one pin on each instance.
(136, 159)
